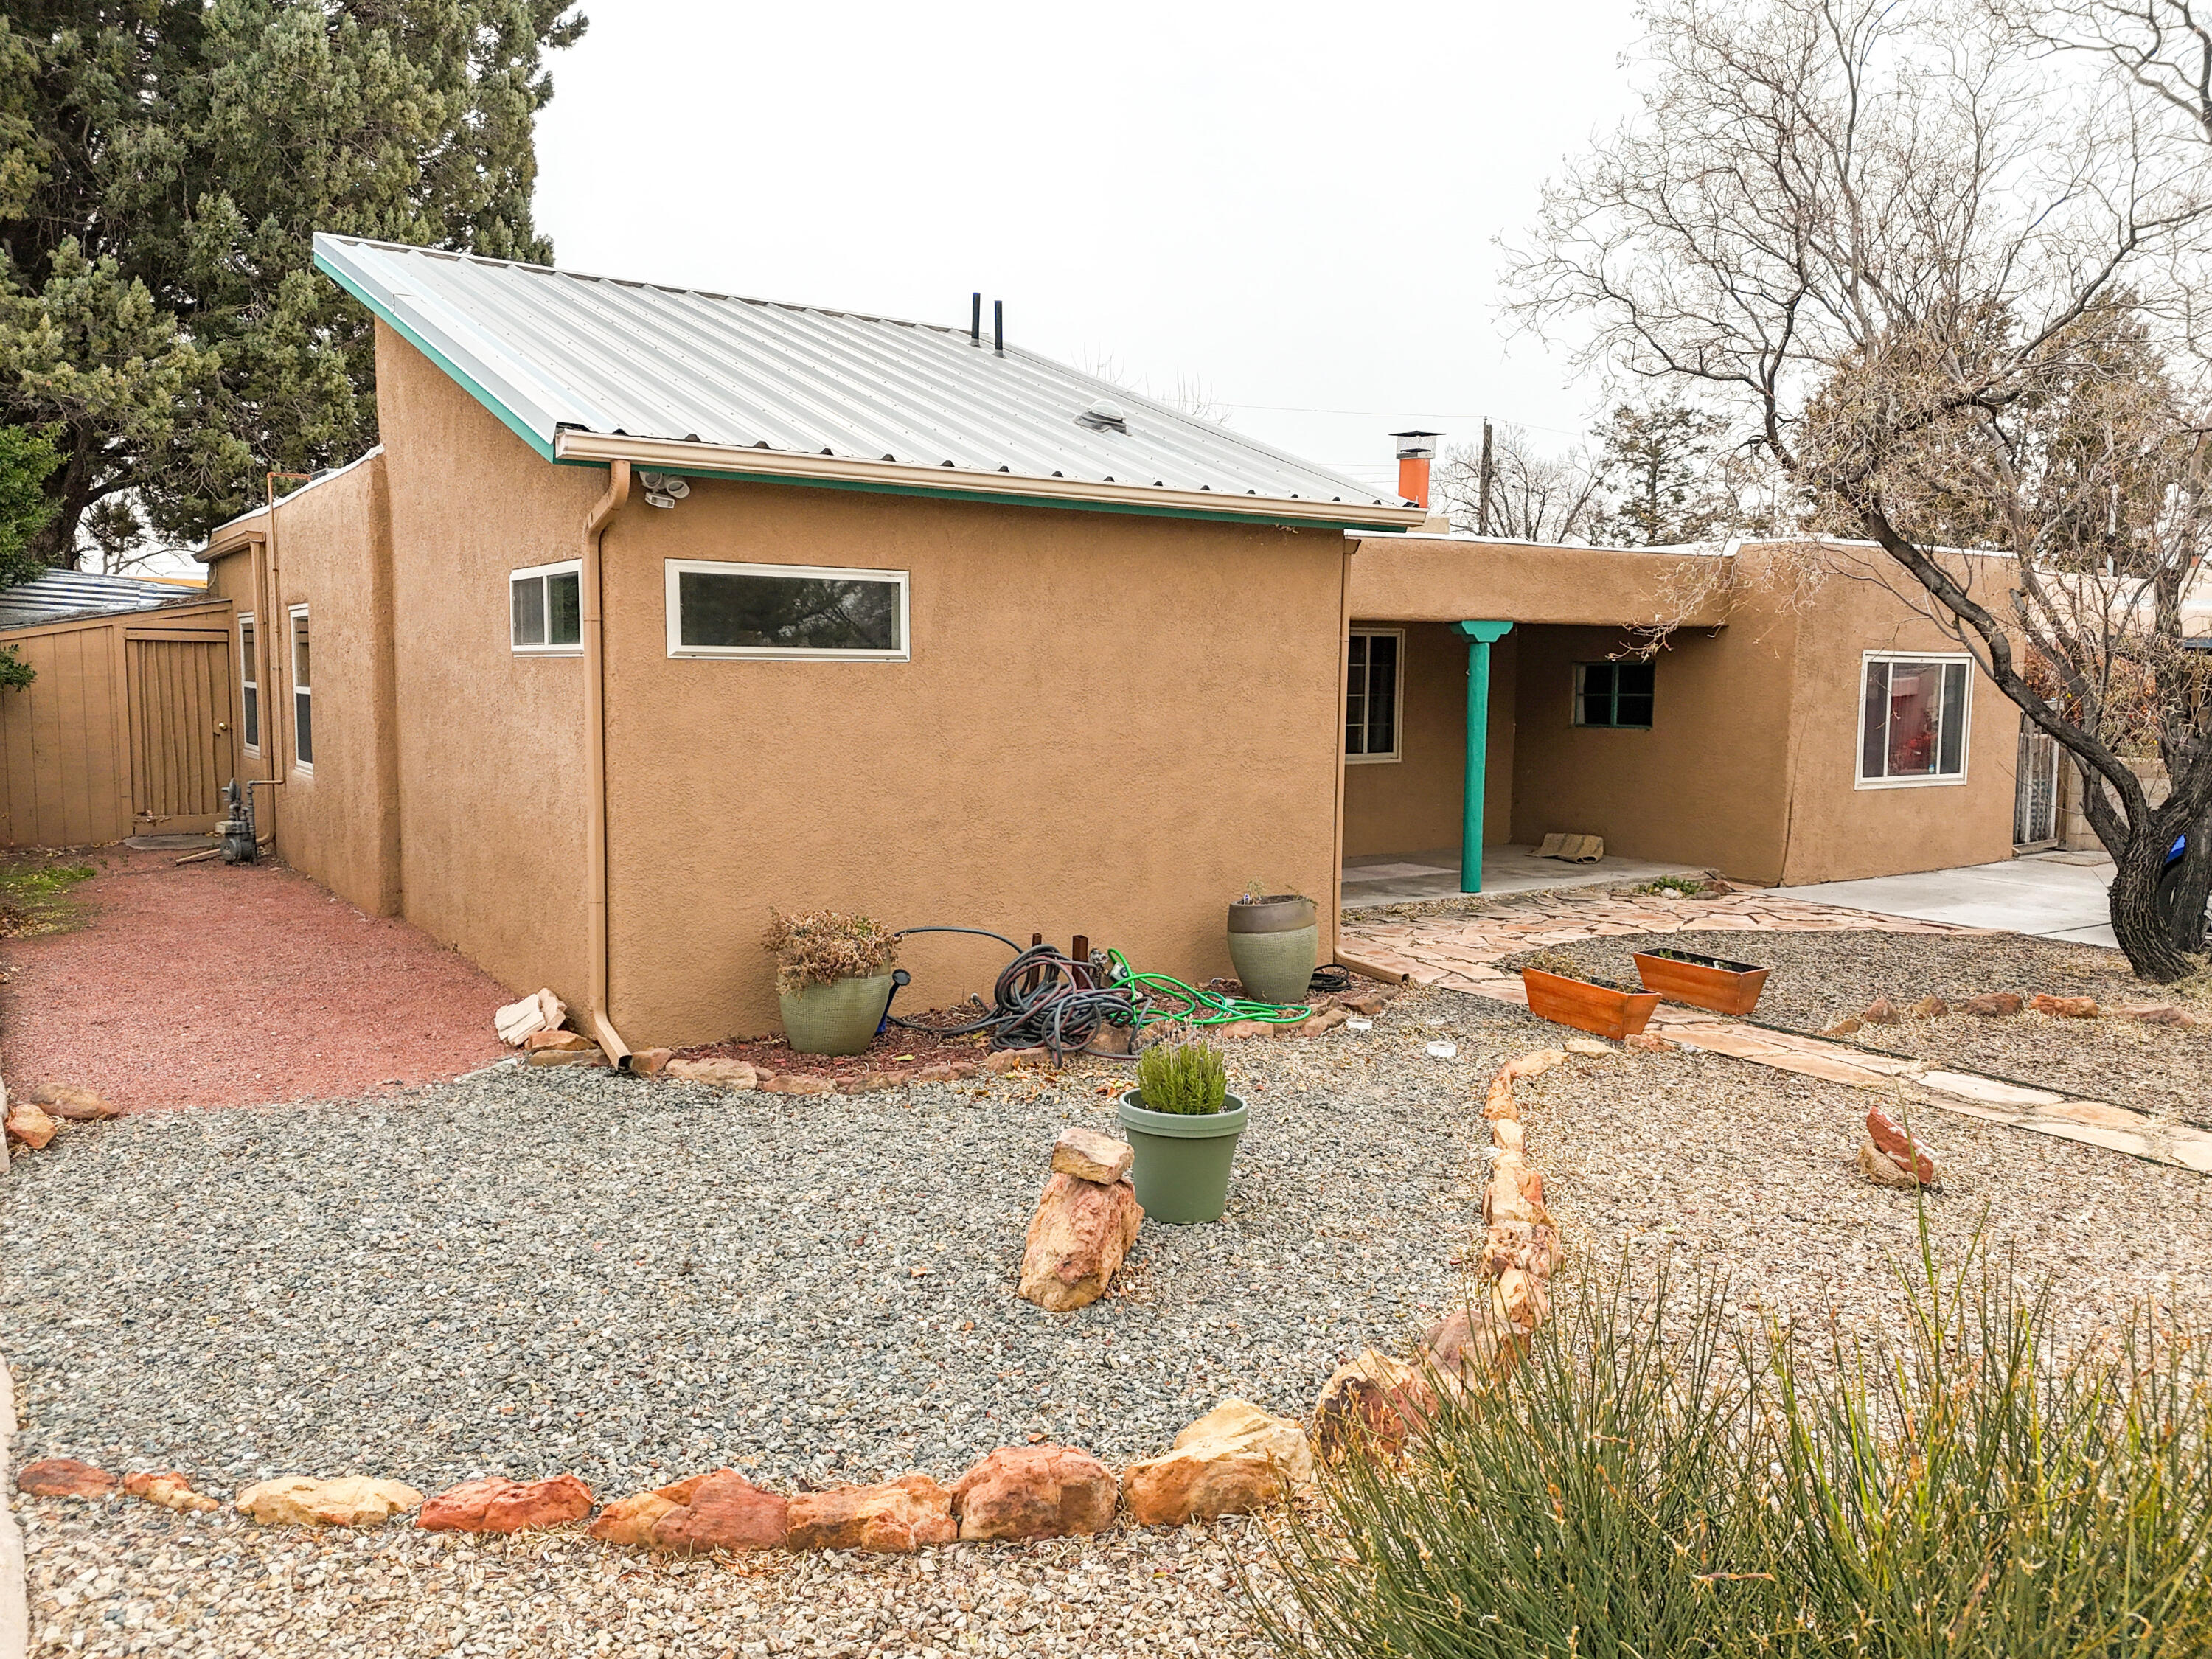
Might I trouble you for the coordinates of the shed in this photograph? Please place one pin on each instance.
(129, 727)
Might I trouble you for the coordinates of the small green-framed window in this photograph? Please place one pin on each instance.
(1615, 694)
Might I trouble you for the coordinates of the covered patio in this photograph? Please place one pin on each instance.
(1510, 867)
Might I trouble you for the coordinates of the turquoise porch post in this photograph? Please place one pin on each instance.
(1479, 637)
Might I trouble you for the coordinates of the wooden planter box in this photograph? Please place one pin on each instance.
(1597, 1009)
(1726, 987)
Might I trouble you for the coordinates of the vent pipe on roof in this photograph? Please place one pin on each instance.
(975, 320)
(998, 326)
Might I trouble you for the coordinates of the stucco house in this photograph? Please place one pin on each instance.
(657, 608)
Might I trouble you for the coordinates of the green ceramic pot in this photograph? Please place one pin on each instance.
(1182, 1161)
(1274, 945)
(839, 1018)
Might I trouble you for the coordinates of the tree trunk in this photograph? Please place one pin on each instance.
(71, 487)
(2150, 948)
(2187, 929)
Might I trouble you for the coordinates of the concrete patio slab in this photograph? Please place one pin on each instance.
(1402, 878)
(2057, 895)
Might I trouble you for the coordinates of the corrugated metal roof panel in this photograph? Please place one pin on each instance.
(548, 350)
(65, 595)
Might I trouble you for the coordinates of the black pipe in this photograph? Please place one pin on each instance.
(998, 326)
(975, 321)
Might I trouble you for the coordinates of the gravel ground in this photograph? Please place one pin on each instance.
(1817, 978)
(536, 1270)
(222, 984)
(125, 1577)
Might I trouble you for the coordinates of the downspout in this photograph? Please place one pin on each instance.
(595, 763)
(264, 659)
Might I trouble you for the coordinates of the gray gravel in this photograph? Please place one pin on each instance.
(529, 1271)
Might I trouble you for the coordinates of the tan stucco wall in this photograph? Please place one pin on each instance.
(1413, 805)
(1108, 725)
(1454, 578)
(338, 821)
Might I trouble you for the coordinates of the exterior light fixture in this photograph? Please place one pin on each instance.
(662, 489)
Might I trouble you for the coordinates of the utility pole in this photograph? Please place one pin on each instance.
(1483, 512)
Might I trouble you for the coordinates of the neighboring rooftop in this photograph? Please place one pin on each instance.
(591, 368)
(67, 595)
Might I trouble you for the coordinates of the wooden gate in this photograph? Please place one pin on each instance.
(181, 735)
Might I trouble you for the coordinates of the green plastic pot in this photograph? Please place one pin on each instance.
(1181, 1161)
(1274, 945)
(838, 1019)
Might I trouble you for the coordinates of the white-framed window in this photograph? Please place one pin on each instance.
(1914, 712)
(249, 680)
(1615, 694)
(545, 610)
(790, 611)
(303, 722)
(1372, 693)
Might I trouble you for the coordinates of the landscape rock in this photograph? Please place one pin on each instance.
(28, 1124)
(2149, 1014)
(870, 1083)
(1993, 1005)
(1882, 1012)
(1498, 1103)
(1077, 1240)
(723, 1511)
(1006, 1059)
(1369, 1003)
(1845, 1027)
(1021, 1492)
(496, 1505)
(542, 1013)
(589, 1055)
(1535, 1061)
(1891, 1140)
(1533, 1247)
(1373, 1401)
(66, 1100)
(1314, 1024)
(791, 1082)
(721, 1074)
(1878, 1167)
(1508, 1136)
(1930, 1007)
(172, 1491)
(1090, 1155)
(1647, 1042)
(1236, 1030)
(300, 1500)
(1233, 1461)
(646, 1061)
(569, 1040)
(1477, 1345)
(895, 1518)
(1588, 1048)
(64, 1477)
(2065, 1007)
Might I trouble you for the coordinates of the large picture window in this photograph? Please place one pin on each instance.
(1913, 719)
(303, 709)
(1617, 694)
(1371, 694)
(249, 678)
(545, 610)
(785, 610)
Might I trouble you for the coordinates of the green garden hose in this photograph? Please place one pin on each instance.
(1205, 1007)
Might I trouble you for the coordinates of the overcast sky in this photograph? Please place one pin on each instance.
(1295, 206)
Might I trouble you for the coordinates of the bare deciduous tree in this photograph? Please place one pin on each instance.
(1948, 274)
(1534, 497)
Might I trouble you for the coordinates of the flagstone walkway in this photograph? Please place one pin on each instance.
(1461, 952)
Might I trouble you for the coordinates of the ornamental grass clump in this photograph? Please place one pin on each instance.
(1657, 1481)
(1186, 1079)
(823, 946)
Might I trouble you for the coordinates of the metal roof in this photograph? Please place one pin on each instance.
(824, 396)
(67, 595)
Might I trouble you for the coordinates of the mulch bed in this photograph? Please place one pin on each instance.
(1818, 979)
(899, 1046)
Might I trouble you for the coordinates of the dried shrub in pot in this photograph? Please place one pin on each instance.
(821, 947)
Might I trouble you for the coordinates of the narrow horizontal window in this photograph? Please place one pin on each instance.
(1913, 716)
(545, 608)
(785, 610)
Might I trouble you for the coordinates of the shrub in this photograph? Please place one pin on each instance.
(1260, 892)
(823, 946)
(1684, 886)
(1187, 1079)
(1655, 1483)
(16, 674)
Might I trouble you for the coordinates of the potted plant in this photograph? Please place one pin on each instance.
(833, 976)
(1275, 939)
(1560, 992)
(1714, 982)
(1183, 1126)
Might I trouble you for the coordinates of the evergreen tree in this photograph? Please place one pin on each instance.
(164, 165)
(1660, 462)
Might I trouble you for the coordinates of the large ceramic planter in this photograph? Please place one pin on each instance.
(1598, 1009)
(839, 1018)
(1181, 1161)
(1275, 945)
(1726, 987)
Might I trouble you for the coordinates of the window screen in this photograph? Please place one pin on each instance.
(787, 611)
(1370, 706)
(1617, 694)
(546, 608)
(249, 676)
(1912, 721)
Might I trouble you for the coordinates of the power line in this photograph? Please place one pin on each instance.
(1400, 413)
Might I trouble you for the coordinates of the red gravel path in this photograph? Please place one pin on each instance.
(220, 985)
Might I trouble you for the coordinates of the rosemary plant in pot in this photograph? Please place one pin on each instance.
(833, 976)
(1183, 1126)
(1275, 939)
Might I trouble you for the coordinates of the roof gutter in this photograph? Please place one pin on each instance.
(595, 763)
(784, 466)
